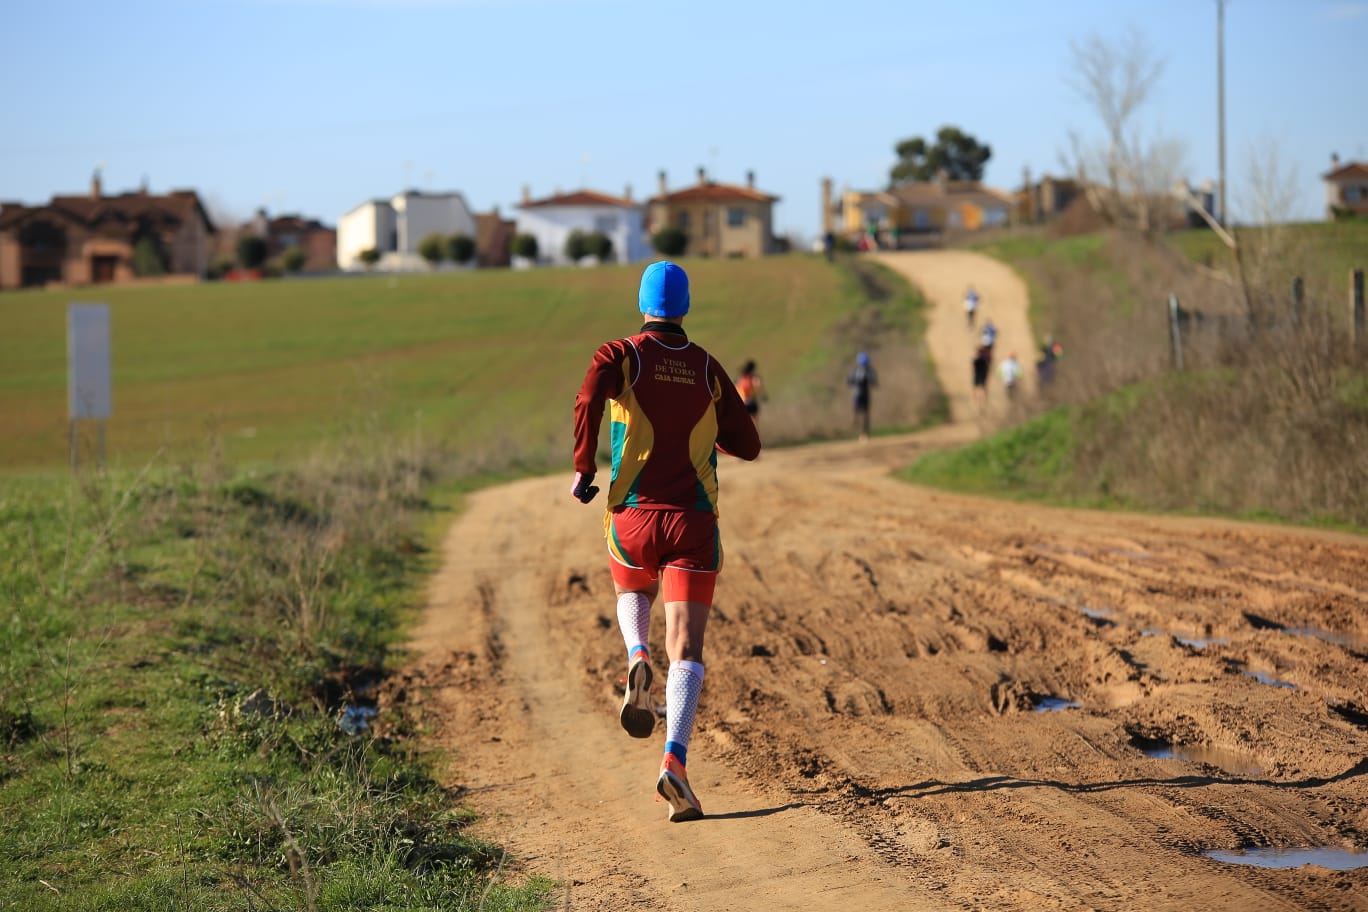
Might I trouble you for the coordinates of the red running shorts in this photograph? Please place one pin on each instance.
(681, 548)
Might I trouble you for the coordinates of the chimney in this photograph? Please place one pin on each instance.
(627, 193)
(663, 191)
(826, 206)
(750, 179)
(702, 175)
(1334, 161)
(526, 194)
(96, 191)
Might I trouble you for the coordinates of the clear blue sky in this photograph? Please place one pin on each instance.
(313, 106)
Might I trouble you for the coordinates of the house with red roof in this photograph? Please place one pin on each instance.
(92, 239)
(552, 219)
(1346, 189)
(720, 220)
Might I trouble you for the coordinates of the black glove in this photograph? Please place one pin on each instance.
(583, 489)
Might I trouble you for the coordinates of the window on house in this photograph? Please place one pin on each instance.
(684, 221)
(921, 219)
(1353, 194)
(605, 224)
(736, 216)
(952, 218)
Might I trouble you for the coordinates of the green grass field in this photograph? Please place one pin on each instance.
(485, 361)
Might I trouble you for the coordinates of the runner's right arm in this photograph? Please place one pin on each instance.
(605, 379)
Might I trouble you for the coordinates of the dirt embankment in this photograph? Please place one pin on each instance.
(879, 727)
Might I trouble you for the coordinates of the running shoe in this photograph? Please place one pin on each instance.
(638, 716)
(673, 786)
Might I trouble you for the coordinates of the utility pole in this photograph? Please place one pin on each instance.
(1220, 105)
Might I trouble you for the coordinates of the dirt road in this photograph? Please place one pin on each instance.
(916, 700)
(944, 276)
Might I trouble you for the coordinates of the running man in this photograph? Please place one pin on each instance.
(971, 302)
(673, 408)
(751, 388)
(1010, 371)
(861, 380)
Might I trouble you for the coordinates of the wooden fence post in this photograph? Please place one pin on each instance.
(1175, 333)
(1298, 296)
(1356, 334)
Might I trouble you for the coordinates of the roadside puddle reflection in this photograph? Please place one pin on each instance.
(1324, 857)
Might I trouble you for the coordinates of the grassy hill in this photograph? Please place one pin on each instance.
(1268, 419)
(485, 361)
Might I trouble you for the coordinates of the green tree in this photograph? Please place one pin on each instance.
(670, 242)
(460, 248)
(251, 251)
(599, 245)
(433, 248)
(957, 153)
(369, 257)
(293, 259)
(525, 246)
(575, 249)
(147, 257)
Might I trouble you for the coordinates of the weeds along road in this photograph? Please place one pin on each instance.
(871, 733)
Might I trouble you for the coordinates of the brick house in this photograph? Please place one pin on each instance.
(92, 239)
(1346, 189)
(721, 220)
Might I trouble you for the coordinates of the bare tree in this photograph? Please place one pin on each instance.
(1129, 174)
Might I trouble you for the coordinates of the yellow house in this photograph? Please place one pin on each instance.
(923, 207)
(720, 220)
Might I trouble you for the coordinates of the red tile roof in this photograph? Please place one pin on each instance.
(579, 198)
(716, 193)
(1352, 169)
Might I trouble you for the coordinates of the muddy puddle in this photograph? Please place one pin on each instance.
(1324, 857)
(1193, 642)
(1264, 677)
(1235, 762)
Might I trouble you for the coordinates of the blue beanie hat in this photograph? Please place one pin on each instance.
(664, 290)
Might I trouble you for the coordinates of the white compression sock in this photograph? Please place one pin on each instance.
(682, 690)
(634, 618)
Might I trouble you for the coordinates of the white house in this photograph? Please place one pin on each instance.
(551, 221)
(397, 226)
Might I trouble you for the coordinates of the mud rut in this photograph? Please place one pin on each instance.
(871, 733)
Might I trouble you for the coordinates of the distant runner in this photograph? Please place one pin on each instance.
(751, 388)
(861, 380)
(971, 302)
(1010, 371)
(673, 408)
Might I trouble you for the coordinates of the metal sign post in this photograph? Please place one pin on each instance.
(89, 382)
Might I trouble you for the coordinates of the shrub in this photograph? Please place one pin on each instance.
(460, 248)
(670, 241)
(221, 266)
(525, 246)
(251, 251)
(433, 248)
(598, 245)
(293, 259)
(369, 257)
(575, 246)
(147, 257)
